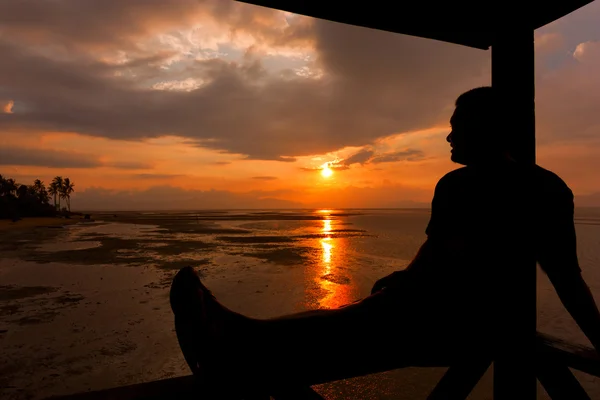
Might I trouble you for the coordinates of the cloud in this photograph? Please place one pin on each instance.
(109, 24)
(265, 178)
(548, 43)
(156, 176)
(186, 85)
(8, 107)
(370, 156)
(51, 158)
(360, 157)
(128, 165)
(384, 83)
(172, 198)
(406, 155)
(333, 165)
(587, 52)
(567, 97)
(46, 158)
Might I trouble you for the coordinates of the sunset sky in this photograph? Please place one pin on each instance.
(164, 104)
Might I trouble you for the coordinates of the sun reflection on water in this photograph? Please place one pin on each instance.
(334, 283)
(327, 247)
(326, 226)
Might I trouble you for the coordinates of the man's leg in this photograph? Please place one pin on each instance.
(303, 348)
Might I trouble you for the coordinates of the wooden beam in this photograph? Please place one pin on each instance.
(576, 356)
(462, 22)
(513, 78)
(559, 381)
(460, 380)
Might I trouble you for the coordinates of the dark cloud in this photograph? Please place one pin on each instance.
(128, 165)
(12, 155)
(156, 176)
(46, 158)
(361, 157)
(406, 155)
(102, 24)
(382, 84)
(368, 156)
(275, 158)
(265, 178)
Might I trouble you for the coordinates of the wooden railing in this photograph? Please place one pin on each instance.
(555, 360)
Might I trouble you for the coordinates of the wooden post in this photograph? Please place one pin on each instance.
(460, 379)
(513, 77)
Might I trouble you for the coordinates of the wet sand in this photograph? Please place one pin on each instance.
(85, 306)
(29, 223)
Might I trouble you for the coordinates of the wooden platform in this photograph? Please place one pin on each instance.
(555, 358)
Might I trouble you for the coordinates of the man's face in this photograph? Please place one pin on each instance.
(471, 136)
(459, 136)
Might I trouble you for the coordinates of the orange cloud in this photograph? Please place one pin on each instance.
(8, 107)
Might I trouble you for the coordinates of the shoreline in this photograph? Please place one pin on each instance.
(7, 225)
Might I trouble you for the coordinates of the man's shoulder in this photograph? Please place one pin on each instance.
(454, 178)
(549, 181)
(542, 179)
(456, 175)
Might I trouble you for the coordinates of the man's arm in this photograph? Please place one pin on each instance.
(579, 302)
(436, 228)
(557, 255)
(396, 278)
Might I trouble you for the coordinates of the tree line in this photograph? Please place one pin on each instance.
(19, 200)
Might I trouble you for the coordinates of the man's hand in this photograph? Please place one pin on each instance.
(577, 298)
(399, 278)
(394, 279)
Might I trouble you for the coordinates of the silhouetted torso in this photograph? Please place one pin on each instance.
(487, 224)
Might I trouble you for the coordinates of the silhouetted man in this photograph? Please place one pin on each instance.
(489, 219)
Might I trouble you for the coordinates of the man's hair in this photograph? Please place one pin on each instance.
(481, 97)
(482, 105)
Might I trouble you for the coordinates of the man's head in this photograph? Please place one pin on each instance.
(476, 133)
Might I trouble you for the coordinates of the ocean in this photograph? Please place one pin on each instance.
(101, 299)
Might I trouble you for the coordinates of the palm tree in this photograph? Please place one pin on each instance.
(56, 189)
(40, 191)
(66, 190)
(22, 192)
(38, 185)
(10, 187)
(3, 190)
(53, 190)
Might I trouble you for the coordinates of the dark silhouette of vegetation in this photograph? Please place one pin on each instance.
(18, 201)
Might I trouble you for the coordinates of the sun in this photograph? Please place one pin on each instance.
(326, 172)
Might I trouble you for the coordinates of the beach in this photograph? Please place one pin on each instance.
(84, 304)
